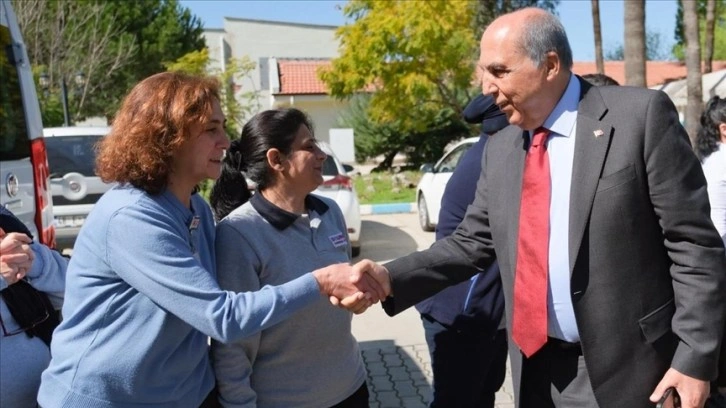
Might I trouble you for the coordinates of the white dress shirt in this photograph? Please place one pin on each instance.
(562, 123)
(714, 168)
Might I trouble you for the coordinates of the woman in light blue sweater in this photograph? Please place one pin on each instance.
(141, 294)
(311, 360)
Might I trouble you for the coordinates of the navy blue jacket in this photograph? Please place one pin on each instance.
(479, 302)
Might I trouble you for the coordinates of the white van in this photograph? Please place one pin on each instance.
(24, 173)
(74, 183)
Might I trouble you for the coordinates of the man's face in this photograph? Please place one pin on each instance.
(517, 84)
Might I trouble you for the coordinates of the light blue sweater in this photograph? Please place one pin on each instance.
(141, 299)
(22, 358)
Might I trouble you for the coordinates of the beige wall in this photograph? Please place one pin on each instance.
(323, 111)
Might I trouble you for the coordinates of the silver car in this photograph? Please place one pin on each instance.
(74, 184)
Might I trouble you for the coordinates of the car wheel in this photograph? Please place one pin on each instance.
(355, 251)
(423, 215)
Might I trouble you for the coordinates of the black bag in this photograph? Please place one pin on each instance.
(32, 310)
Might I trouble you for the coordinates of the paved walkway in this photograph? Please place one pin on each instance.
(394, 348)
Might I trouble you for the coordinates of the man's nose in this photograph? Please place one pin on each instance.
(487, 87)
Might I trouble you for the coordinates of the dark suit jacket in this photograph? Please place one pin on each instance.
(648, 270)
(476, 304)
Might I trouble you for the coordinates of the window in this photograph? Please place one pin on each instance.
(329, 167)
(448, 164)
(14, 138)
(69, 154)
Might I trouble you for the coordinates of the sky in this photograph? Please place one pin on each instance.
(576, 16)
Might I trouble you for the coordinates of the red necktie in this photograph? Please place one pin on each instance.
(529, 326)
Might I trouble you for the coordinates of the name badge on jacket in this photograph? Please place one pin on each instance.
(338, 240)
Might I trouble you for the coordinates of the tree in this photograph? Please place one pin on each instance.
(64, 38)
(710, 27)
(654, 50)
(694, 107)
(115, 43)
(718, 48)
(236, 103)
(595, 5)
(635, 45)
(416, 59)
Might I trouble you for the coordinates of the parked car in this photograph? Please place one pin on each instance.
(23, 162)
(74, 184)
(338, 186)
(433, 182)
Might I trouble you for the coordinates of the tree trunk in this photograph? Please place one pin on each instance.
(598, 36)
(708, 44)
(635, 43)
(693, 68)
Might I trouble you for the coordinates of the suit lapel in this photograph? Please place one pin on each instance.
(593, 137)
(514, 168)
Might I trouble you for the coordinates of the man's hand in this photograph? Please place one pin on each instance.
(372, 273)
(341, 281)
(693, 392)
(16, 256)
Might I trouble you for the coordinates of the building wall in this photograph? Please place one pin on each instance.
(322, 110)
(261, 40)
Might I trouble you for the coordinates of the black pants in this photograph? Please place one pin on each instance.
(468, 365)
(556, 377)
(211, 401)
(359, 399)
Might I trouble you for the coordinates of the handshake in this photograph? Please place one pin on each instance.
(354, 287)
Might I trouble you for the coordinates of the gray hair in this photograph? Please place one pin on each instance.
(544, 33)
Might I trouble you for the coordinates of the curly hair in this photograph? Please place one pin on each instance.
(708, 136)
(153, 122)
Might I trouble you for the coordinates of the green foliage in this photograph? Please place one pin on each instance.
(237, 104)
(389, 138)
(114, 43)
(719, 42)
(416, 55)
(387, 187)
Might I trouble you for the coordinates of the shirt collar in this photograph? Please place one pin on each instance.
(563, 117)
(280, 218)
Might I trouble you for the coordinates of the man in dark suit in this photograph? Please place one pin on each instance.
(613, 274)
(462, 323)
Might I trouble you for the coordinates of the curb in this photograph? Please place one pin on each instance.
(391, 208)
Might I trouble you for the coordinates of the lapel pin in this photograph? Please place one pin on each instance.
(598, 132)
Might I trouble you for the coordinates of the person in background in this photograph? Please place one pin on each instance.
(32, 279)
(711, 150)
(612, 270)
(142, 297)
(311, 360)
(462, 323)
(600, 80)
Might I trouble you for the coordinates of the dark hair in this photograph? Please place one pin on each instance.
(709, 136)
(270, 129)
(600, 80)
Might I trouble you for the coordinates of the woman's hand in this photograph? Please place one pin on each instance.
(16, 256)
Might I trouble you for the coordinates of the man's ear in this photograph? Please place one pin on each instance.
(552, 63)
(274, 159)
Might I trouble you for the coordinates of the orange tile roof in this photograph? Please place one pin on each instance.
(299, 76)
(657, 72)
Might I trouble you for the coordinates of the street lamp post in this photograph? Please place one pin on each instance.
(80, 80)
